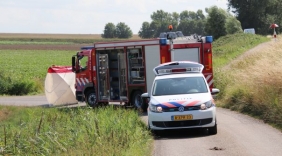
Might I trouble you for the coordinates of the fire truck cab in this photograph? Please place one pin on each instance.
(119, 72)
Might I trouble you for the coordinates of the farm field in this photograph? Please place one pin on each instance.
(26, 58)
(51, 41)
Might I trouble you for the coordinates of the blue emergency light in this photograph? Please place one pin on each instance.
(87, 47)
(209, 39)
(163, 41)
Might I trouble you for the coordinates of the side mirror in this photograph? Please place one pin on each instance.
(214, 91)
(145, 95)
(73, 64)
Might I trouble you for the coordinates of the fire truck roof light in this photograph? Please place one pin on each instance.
(87, 47)
(209, 39)
(178, 67)
(163, 41)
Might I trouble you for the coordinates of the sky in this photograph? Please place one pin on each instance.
(87, 16)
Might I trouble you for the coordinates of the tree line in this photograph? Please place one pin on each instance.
(217, 22)
(257, 14)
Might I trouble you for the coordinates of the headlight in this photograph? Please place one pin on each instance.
(154, 108)
(206, 105)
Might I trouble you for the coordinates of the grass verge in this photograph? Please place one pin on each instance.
(251, 84)
(72, 131)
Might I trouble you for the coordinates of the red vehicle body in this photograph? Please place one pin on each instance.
(119, 72)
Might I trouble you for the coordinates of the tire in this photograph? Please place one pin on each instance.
(137, 101)
(213, 130)
(144, 105)
(91, 99)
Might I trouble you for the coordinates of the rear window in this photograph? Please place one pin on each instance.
(175, 86)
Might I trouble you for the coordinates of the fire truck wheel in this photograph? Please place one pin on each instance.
(91, 98)
(137, 101)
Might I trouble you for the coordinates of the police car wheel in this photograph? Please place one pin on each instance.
(91, 99)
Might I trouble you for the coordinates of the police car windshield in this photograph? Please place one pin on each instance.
(183, 85)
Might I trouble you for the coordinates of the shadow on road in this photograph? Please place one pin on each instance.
(180, 134)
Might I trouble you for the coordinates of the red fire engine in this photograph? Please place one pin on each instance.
(119, 72)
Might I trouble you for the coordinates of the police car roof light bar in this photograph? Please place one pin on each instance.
(178, 67)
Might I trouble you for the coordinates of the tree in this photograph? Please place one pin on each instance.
(216, 20)
(160, 16)
(123, 31)
(257, 14)
(109, 31)
(187, 27)
(160, 22)
(145, 31)
(233, 25)
(192, 22)
(175, 19)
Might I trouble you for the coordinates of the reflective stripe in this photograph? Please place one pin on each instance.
(209, 79)
(77, 79)
(81, 79)
(211, 82)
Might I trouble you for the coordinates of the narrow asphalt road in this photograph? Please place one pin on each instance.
(238, 135)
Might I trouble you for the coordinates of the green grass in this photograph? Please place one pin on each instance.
(227, 48)
(30, 66)
(253, 84)
(73, 131)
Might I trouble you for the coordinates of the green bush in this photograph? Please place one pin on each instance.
(12, 86)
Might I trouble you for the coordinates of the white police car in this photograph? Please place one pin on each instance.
(180, 98)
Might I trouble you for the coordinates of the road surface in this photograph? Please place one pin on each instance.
(238, 135)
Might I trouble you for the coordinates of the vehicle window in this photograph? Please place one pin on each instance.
(83, 61)
(174, 86)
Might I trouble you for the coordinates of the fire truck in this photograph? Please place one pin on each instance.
(119, 72)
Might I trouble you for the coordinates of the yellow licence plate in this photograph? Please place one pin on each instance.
(183, 117)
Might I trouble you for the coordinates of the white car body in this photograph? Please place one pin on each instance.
(170, 104)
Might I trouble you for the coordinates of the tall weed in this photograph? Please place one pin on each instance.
(75, 131)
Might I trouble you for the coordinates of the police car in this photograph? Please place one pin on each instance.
(180, 98)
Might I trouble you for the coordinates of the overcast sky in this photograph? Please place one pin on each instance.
(87, 16)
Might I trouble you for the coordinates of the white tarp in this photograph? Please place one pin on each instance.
(59, 85)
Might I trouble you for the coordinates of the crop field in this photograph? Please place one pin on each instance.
(25, 58)
(48, 40)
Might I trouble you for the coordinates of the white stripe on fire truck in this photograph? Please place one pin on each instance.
(211, 82)
(208, 77)
(81, 79)
(77, 79)
(86, 80)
